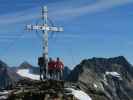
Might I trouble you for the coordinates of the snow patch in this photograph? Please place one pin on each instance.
(4, 95)
(79, 94)
(26, 73)
(115, 74)
(3, 92)
(95, 86)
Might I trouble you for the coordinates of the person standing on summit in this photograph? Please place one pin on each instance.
(51, 68)
(59, 69)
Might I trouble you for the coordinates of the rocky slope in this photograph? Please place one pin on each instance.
(105, 78)
(8, 76)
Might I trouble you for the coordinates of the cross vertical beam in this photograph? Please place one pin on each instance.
(45, 39)
(45, 28)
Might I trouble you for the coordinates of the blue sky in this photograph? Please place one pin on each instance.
(92, 28)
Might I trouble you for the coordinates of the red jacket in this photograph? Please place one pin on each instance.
(51, 65)
(59, 65)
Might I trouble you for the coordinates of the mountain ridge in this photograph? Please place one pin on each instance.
(105, 78)
(100, 78)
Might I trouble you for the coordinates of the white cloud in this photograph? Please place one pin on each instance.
(64, 12)
(14, 37)
(101, 5)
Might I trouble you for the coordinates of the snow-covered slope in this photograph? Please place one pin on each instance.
(26, 73)
(79, 94)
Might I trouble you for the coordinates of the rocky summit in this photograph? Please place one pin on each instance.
(105, 78)
(40, 90)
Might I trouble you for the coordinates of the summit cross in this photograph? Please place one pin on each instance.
(45, 29)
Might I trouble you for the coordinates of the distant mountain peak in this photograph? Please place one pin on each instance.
(3, 64)
(25, 65)
(120, 60)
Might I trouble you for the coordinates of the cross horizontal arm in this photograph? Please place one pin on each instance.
(34, 27)
(56, 29)
(43, 27)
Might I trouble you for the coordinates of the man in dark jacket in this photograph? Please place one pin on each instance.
(42, 67)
